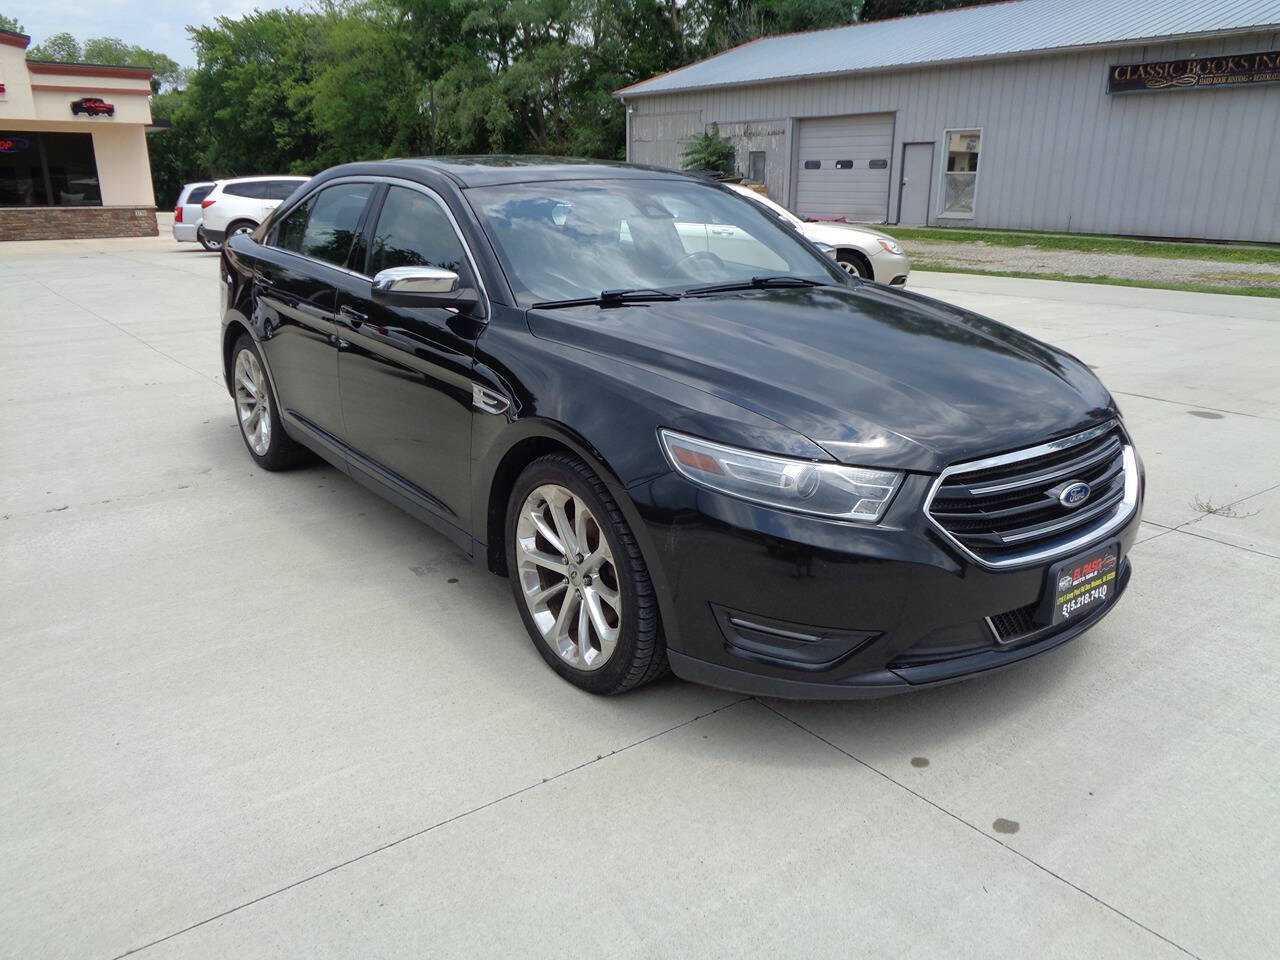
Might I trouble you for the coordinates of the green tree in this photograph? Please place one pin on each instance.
(60, 48)
(886, 9)
(112, 51)
(252, 90)
(717, 25)
(10, 24)
(179, 152)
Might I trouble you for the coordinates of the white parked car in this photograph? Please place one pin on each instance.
(859, 250)
(239, 205)
(186, 214)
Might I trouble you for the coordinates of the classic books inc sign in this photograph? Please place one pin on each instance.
(1231, 71)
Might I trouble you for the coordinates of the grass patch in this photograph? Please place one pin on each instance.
(1114, 281)
(1093, 243)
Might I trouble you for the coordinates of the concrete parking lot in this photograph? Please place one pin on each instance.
(252, 715)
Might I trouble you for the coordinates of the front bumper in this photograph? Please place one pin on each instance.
(891, 269)
(185, 232)
(778, 604)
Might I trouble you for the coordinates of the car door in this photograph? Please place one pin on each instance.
(731, 242)
(295, 276)
(405, 372)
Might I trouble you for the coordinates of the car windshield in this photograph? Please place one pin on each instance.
(565, 240)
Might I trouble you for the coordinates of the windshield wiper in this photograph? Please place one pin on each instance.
(755, 283)
(610, 298)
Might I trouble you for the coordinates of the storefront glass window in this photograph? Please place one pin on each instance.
(960, 181)
(48, 170)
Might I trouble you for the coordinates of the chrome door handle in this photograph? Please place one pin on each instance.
(355, 316)
(264, 280)
(722, 232)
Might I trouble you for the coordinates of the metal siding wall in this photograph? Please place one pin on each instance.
(1058, 153)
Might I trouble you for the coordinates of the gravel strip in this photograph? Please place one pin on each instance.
(981, 256)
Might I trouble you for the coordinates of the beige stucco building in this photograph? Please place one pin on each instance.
(73, 148)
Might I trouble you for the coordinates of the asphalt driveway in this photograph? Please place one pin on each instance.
(253, 715)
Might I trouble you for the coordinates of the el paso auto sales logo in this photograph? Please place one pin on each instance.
(1234, 70)
(1089, 573)
(13, 144)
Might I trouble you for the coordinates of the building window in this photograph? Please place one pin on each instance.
(48, 170)
(960, 178)
(755, 166)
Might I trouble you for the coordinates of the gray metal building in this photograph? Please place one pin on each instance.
(1138, 117)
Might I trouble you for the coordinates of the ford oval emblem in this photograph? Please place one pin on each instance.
(1074, 494)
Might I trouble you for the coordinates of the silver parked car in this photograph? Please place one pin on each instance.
(859, 250)
(187, 226)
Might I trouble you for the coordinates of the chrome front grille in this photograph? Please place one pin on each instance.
(1007, 510)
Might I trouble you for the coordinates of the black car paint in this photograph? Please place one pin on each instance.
(853, 372)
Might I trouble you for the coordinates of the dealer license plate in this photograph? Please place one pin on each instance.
(1080, 585)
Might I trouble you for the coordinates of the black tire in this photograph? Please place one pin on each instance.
(205, 242)
(237, 225)
(853, 264)
(282, 452)
(640, 655)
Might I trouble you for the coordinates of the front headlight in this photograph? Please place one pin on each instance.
(890, 245)
(822, 489)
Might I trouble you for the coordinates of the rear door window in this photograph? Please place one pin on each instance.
(335, 218)
(253, 190)
(281, 189)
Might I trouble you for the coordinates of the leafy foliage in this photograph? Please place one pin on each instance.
(65, 48)
(885, 9)
(10, 24)
(709, 152)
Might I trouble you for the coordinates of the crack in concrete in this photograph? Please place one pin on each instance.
(418, 833)
(959, 819)
(127, 333)
(1195, 406)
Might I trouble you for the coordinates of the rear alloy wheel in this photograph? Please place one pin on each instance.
(579, 579)
(212, 246)
(851, 266)
(260, 426)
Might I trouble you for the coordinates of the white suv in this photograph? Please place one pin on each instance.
(239, 205)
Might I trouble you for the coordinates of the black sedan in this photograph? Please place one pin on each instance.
(681, 431)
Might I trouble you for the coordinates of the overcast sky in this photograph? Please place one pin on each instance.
(154, 24)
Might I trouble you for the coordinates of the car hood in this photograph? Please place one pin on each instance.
(844, 233)
(874, 376)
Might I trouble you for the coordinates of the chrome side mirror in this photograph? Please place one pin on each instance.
(421, 287)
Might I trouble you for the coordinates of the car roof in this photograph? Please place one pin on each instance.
(280, 176)
(481, 171)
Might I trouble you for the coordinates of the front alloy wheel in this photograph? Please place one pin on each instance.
(851, 267)
(568, 577)
(579, 578)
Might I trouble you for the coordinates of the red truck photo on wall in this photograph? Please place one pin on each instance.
(93, 106)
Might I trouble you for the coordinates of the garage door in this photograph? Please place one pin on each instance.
(843, 167)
